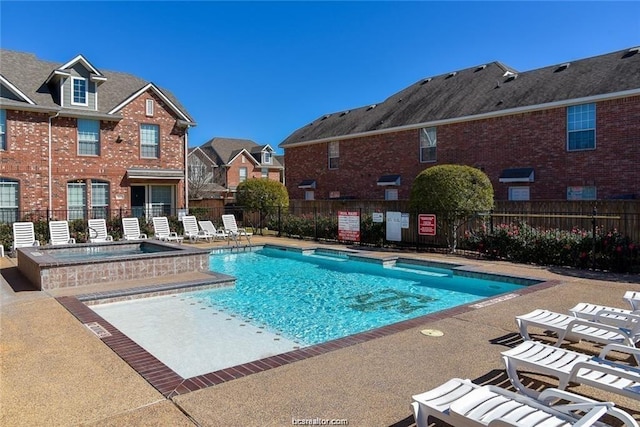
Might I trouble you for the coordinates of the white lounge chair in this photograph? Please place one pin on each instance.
(131, 229)
(59, 233)
(572, 328)
(593, 311)
(24, 235)
(191, 230)
(216, 233)
(162, 232)
(1, 251)
(633, 298)
(570, 366)
(98, 231)
(231, 227)
(462, 403)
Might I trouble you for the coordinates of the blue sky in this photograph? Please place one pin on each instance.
(260, 70)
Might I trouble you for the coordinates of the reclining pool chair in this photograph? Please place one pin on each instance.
(162, 231)
(192, 231)
(131, 229)
(605, 330)
(208, 227)
(59, 233)
(231, 227)
(23, 235)
(570, 366)
(590, 311)
(98, 231)
(461, 403)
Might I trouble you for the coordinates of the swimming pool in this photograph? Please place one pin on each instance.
(285, 301)
(319, 296)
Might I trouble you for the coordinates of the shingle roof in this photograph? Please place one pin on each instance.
(29, 74)
(486, 89)
(224, 150)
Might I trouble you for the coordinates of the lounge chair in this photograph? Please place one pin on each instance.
(162, 232)
(1, 251)
(98, 231)
(231, 227)
(191, 230)
(131, 229)
(633, 298)
(213, 231)
(572, 328)
(24, 235)
(59, 233)
(462, 403)
(570, 366)
(593, 311)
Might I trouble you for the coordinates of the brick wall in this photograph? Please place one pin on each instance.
(533, 139)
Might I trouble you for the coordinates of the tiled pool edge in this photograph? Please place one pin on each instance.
(170, 384)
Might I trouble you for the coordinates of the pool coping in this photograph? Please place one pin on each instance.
(170, 384)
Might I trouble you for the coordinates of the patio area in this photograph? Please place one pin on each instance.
(55, 371)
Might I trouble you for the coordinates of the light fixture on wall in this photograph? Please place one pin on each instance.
(118, 139)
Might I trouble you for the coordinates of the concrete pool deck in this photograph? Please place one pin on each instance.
(54, 371)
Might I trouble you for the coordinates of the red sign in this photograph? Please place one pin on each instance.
(426, 225)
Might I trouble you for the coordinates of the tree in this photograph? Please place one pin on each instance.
(262, 195)
(455, 193)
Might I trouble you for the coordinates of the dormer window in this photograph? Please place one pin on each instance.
(266, 157)
(79, 91)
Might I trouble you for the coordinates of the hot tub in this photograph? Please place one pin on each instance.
(52, 267)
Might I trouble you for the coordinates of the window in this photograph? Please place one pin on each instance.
(8, 200)
(79, 96)
(161, 200)
(334, 155)
(428, 144)
(266, 158)
(581, 127)
(518, 193)
(99, 199)
(76, 200)
(150, 141)
(242, 174)
(309, 195)
(3, 129)
(581, 193)
(265, 173)
(88, 137)
(391, 194)
(149, 108)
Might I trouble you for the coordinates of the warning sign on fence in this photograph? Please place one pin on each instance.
(426, 225)
(349, 226)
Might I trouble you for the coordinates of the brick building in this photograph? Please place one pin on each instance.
(79, 142)
(220, 164)
(565, 132)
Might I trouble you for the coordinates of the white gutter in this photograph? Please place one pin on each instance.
(50, 160)
(492, 114)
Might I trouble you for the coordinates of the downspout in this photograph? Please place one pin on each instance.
(50, 161)
(186, 169)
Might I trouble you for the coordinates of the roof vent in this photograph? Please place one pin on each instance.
(326, 116)
(511, 77)
(562, 67)
(425, 81)
(451, 74)
(631, 52)
(399, 100)
(481, 67)
(508, 73)
(371, 107)
(344, 113)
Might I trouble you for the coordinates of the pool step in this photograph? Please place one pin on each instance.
(421, 272)
(332, 258)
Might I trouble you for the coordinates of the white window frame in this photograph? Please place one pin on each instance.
(3, 130)
(520, 193)
(309, 195)
(85, 140)
(428, 145)
(76, 210)
(391, 194)
(149, 107)
(266, 157)
(146, 144)
(242, 174)
(9, 197)
(99, 206)
(73, 91)
(333, 152)
(581, 118)
(265, 173)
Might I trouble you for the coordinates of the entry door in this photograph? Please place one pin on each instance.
(138, 200)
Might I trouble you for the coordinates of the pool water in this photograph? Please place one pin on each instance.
(316, 298)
